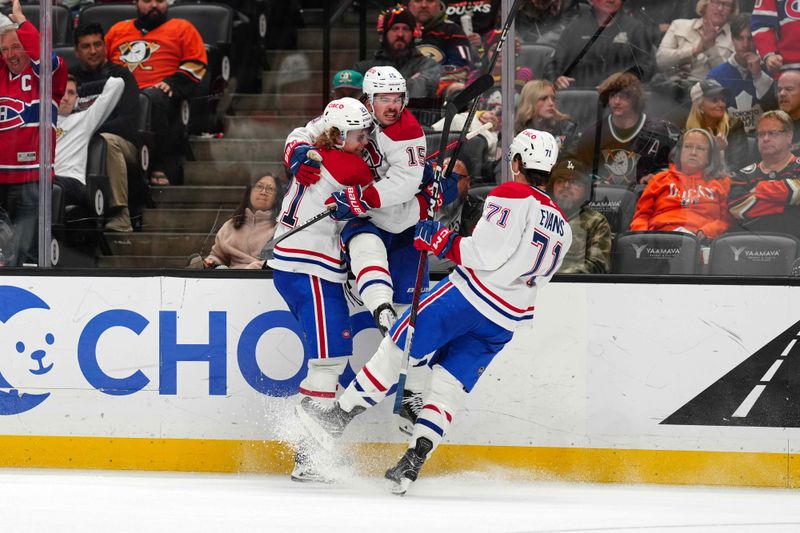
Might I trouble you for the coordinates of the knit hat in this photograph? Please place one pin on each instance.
(707, 87)
(396, 15)
(348, 79)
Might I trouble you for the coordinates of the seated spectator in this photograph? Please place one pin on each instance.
(347, 84)
(443, 40)
(477, 17)
(168, 59)
(119, 128)
(590, 251)
(709, 102)
(622, 45)
(657, 16)
(789, 101)
(74, 131)
(397, 49)
(633, 146)
(749, 87)
(239, 241)
(776, 32)
(537, 110)
(543, 21)
(692, 47)
(692, 196)
(764, 195)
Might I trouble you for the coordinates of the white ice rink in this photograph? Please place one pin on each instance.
(89, 501)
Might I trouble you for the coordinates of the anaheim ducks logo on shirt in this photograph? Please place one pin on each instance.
(135, 53)
(431, 51)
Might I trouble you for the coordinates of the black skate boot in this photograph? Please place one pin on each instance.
(385, 317)
(409, 410)
(325, 423)
(305, 470)
(407, 469)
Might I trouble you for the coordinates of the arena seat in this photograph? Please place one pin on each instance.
(433, 139)
(580, 105)
(61, 22)
(753, 254)
(67, 53)
(539, 58)
(615, 202)
(107, 14)
(655, 252)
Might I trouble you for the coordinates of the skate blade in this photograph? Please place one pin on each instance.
(400, 489)
(315, 430)
(311, 478)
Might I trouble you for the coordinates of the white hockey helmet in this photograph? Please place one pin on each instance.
(379, 80)
(346, 114)
(537, 150)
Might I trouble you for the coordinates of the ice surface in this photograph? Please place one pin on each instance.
(87, 501)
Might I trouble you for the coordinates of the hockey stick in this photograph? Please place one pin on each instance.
(266, 251)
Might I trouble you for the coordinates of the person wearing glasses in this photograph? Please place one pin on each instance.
(765, 195)
(692, 47)
(239, 241)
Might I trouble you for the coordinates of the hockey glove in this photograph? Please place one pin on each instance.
(348, 203)
(305, 169)
(432, 236)
(448, 188)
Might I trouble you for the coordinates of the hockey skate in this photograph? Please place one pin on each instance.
(409, 410)
(305, 471)
(407, 469)
(385, 317)
(324, 423)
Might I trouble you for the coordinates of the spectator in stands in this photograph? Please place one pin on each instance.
(75, 130)
(776, 32)
(749, 87)
(622, 45)
(632, 145)
(764, 195)
(443, 40)
(657, 16)
(347, 84)
(19, 157)
(239, 241)
(537, 110)
(692, 47)
(590, 252)
(398, 50)
(477, 17)
(119, 128)
(709, 112)
(789, 101)
(543, 21)
(692, 196)
(168, 59)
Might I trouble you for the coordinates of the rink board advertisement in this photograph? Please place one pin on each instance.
(614, 382)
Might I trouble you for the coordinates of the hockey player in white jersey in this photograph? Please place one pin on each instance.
(309, 270)
(379, 234)
(468, 317)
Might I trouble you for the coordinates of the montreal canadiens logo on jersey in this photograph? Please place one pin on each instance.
(11, 113)
(373, 157)
(135, 53)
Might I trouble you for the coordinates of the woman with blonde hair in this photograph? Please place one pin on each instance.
(709, 112)
(538, 110)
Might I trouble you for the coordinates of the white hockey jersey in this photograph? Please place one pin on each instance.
(316, 249)
(396, 156)
(517, 246)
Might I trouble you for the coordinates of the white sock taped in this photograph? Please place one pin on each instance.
(370, 266)
(375, 379)
(443, 398)
(322, 379)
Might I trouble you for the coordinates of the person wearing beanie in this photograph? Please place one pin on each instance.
(397, 27)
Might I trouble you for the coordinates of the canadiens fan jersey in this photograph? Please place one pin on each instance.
(776, 30)
(756, 194)
(316, 249)
(19, 111)
(153, 56)
(627, 155)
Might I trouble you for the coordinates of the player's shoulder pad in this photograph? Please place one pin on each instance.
(516, 190)
(346, 168)
(405, 129)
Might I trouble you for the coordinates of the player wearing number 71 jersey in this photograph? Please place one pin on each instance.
(468, 317)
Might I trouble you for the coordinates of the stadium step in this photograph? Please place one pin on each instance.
(289, 62)
(341, 38)
(313, 17)
(197, 196)
(228, 172)
(141, 261)
(185, 220)
(262, 126)
(159, 243)
(309, 81)
(277, 104)
(237, 149)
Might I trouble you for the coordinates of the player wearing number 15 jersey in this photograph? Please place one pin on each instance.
(468, 317)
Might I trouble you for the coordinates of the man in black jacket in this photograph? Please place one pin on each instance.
(119, 129)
